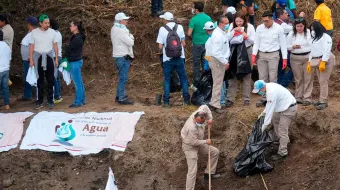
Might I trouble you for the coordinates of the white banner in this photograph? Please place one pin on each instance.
(82, 133)
(11, 129)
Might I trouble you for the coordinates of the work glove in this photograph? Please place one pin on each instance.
(322, 66)
(309, 68)
(264, 127)
(262, 114)
(253, 59)
(208, 58)
(284, 64)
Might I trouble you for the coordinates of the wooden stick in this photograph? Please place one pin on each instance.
(264, 183)
(209, 160)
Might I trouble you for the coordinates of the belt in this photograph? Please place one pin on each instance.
(306, 53)
(317, 57)
(269, 51)
(292, 105)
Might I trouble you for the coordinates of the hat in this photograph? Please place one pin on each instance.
(319, 1)
(281, 2)
(121, 16)
(167, 16)
(32, 20)
(231, 10)
(258, 85)
(43, 17)
(267, 14)
(209, 26)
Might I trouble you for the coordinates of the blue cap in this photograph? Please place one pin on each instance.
(258, 85)
(32, 20)
(281, 2)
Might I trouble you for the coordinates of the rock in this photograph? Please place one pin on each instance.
(35, 167)
(8, 182)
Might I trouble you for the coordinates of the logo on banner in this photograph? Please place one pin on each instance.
(65, 133)
(1, 135)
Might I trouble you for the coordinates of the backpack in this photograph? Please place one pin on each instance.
(173, 43)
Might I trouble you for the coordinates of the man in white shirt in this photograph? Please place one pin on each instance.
(42, 43)
(280, 111)
(5, 58)
(173, 56)
(269, 39)
(122, 43)
(7, 29)
(219, 60)
(32, 23)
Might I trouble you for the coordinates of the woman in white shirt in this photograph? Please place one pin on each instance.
(299, 43)
(249, 37)
(321, 60)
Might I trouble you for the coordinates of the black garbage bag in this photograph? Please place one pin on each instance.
(175, 83)
(255, 74)
(203, 93)
(251, 159)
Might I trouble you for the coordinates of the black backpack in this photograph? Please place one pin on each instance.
(173, 42)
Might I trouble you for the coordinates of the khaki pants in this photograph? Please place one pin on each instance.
(217, 71)
(191, 155)
(281, 122)
(233, 83)
(267, 64)
(303, 80)
(324, 78)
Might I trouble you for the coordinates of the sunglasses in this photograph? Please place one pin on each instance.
(299, 20)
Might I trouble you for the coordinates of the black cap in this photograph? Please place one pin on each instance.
(267, 14)
(32, 20)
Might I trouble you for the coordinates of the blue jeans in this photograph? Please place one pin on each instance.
(27, 86)
(78, 82)
(285, 78)
(56, 84)
(123, 66)
(156, 5)
(168, 67)
(4, 76)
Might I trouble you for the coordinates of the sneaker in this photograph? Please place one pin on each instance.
(216, 110)
(321, 106)
(213, 176)
(126, 102)
(39, 106)
(306, 103)
(117, 99)
(157, 14)
(278, 157)
(23, 99)
(193, 88)
(74, 106)
(166, 106)
(6, 107)
(229, 104)
(186, 103)
(51, 106)
(246, 103)
(299, 101)
(261, 103)
(57, 101)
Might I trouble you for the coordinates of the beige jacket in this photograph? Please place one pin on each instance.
(8, 35)
(193, 136)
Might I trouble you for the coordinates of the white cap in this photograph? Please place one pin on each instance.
(231, 10)
(209, 26)
(121, 16)
(167, 16)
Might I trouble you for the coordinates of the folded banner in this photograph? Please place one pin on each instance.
(111, 183)
(82, 133)
(11, 129)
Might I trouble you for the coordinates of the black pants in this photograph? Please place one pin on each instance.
(49, 74)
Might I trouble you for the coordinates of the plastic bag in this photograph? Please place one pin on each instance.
(236, 40)
(111, 184)
(203, 93)
(251, 159)
(31, 77)
(175, 83)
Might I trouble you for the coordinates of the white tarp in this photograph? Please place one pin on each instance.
(82, 133)
(11, 129)
(111, 185)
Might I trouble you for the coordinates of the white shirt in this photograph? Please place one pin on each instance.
(43, 40)
(59, 43)
(322, 47)
(163, 34)
(250, 32)
(208, 49)
(299, 39)
(286, 27)
(122, 41)
(219, 42)
(5, 56)
(278, 100)
(24, 49)
(270, 40)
